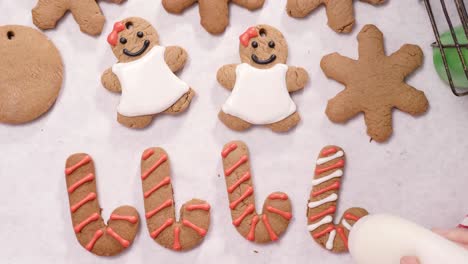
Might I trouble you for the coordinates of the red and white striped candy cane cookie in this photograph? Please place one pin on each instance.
(276, 213)
(323, 202)
(158, 196)
(88, 225)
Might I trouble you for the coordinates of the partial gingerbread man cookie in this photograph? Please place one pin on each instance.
(31, 74)
(340, 13)
(276, 212)
(144, 74)
(158, 195)
(214, 14)
(91, 231)
(261, 84)
(86, 13)
(375, 84)
(322, 204)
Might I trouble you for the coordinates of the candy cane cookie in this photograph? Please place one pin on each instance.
(89, 227)
(276, 213)
(158, 196)
(323, 203)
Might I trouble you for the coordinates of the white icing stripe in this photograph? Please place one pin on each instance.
(331, 198)
(331, 240)
(327, 219)
(335, 174)
(332, 157)
(346, 224)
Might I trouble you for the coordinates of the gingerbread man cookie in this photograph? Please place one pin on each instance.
(144, 74)
(158, 195)
(375, 84)
(214, 14)
(87, 14)
(261, 84)
(91, 231)
(340, 13)
(277, 210)
(322, 204)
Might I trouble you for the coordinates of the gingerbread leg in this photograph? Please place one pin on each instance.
(135, 122)
(379, 123)
(250, 4)
(177, 6)
(286, 124)
(46, 14)
(182, 104)
(233, 122)
(301, 8)
(214, 15)
(88, 15)
(340, 15)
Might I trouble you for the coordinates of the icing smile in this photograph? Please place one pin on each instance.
(139, 52)
(260, 61)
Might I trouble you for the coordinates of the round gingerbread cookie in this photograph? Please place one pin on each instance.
(31, 74)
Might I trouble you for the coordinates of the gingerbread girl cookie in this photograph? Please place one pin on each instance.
(214, 14)
(261, 84)
(144, 74)
(87, 14)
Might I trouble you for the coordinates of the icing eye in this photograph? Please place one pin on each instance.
(140, 34)
(254, 44)
(271, 44)
(123, 40)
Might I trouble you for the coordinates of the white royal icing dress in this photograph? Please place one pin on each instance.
(148, 85)
(260, 96)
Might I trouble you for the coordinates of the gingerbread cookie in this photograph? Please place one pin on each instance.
(158, 195)
(214, 14)
(323, 202)
(87, 14)
(277, 211)
(261, 84)
(91, 231)
(340, 13)
(31, 74)
(375, 84)
(144, 74)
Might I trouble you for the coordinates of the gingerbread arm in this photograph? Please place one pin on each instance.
(340, 15)
(227, 76)
(110, 81)
(250, 4)
(407, 59)
(301, 8)
(88, 15)
(177, 6)
(175, 57)
(47, 13)
(296, 78)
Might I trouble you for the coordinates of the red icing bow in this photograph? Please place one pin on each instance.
(114, 35)
(250, 33)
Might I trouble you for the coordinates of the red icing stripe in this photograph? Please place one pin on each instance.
(160, 161)
(176, 245)
(148, 153)
(131, 219)
(462, 226)
(351, 217)
(199, 230)
(253, 225)
(165, 181)
(228, 150)
(339, 164)
(285, 215)
(241, 161)
(94, 239)
(119, 239)
(241, 218)
(166, 204)
(246, 194)
(271, 233)
(334, 186)
(77, 184)
(330, 210)
(158, 231)
(324, 232)
(204, 207)
(244, 178)
(329, 151)
(82, 162)
(88, 198)
(342, 234)
(80, 226)
(278, 196)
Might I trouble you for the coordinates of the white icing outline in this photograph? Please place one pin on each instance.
(327, 219)
(331, 198)
(338, 154)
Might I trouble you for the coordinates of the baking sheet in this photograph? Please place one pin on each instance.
(419, 174)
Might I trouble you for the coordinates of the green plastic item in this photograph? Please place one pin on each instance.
(455, 65)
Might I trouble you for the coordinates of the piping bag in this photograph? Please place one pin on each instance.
(385, 239)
